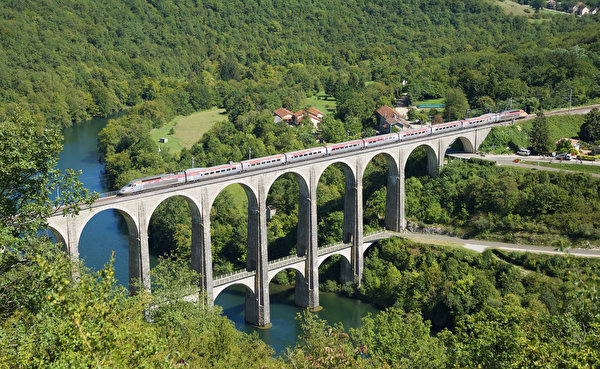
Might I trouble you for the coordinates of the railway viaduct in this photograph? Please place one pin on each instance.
(138, 209)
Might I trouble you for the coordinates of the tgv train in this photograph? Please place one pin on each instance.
(197, 174)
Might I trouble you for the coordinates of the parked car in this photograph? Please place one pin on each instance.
(563, 156)
(524, 152)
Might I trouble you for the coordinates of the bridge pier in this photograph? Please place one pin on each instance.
(307, 287)
(353, 229)
(258, 311)
(139, 261)
(201, 252)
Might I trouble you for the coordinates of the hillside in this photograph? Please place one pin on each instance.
(72, 60)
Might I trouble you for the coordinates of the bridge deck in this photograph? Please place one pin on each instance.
(293, 259)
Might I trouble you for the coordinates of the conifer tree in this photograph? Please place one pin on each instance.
(539, 139)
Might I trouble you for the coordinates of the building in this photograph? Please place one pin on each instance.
(314, 115)
(388, 118)
(282, 115)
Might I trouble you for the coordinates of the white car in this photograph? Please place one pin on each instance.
(563, 156)
(524, 152)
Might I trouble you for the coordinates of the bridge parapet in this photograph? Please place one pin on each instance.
(232, 276)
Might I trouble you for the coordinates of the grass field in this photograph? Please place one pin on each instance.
(559, 126)
(583, 168)
(511, 7)
(188, 129)
(326, 104)
(430, 101)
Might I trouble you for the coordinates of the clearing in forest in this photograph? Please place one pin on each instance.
(187, 129)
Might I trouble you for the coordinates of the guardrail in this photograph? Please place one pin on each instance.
(232, 276)
(291, 259)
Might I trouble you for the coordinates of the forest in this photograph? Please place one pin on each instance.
(62, 63)
(68, 61)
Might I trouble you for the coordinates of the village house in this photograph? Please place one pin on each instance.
(282, 115)
(314, 115)
(387, 118)
(580, 9)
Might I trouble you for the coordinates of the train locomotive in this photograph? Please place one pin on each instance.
(198, 174)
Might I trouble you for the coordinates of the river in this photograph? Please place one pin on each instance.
(106, 234)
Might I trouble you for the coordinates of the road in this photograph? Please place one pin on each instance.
(574, 111)
(480, 246)
(509, 160)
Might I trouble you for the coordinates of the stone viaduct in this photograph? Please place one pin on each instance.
(138, 209)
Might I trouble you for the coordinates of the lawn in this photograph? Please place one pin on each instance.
(188, 129)
(583, 168)
(429, 101)
(559, 126)
(511, 7)
(323, 102)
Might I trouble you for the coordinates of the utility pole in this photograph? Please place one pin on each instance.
(193, 161)
(510, 106)
(570, 97)
(249, 153)
(348, 135)
(467, 115)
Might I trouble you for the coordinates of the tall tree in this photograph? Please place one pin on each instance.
(456, 104)
(590, 129)
(31, 188)
(539, 139)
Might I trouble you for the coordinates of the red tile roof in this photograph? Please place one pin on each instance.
(314, 111)
(387, 112)
(282, 112)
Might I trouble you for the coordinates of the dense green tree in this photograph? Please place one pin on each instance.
(539, 138)
(590, 130)
(332, 130)
(31, 188)
(456, 105)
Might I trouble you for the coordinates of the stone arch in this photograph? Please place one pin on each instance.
(327, 256)
(349, 172)
(251, 193)
(137, 244)
(302, 181)
(432, 157)
(299, 271)
(248, 288)
(130, 219)
(465, 141)
(351, 197)
(59, 237)
(392, 200)
(196, 216)
(192, 202)
(303, 201)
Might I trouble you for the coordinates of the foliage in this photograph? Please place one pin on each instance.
(590, 130)
(510, 204)
(456, 104)
(323, 346)
(539, 138)
(31, 188)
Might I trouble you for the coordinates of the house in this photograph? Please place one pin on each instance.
(282, 115)
(574, 142)
(296, 118)
(388, 118)
(163, 140)
(551, 4)
(596, 150)
(593, 12)
(580, 9)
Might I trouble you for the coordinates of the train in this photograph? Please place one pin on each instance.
(199, 174)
